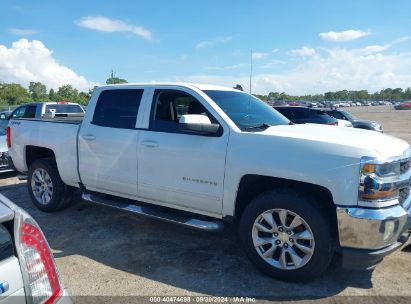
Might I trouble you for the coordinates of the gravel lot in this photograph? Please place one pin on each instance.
(108, 253)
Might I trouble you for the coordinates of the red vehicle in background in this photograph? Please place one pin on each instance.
(403, 106)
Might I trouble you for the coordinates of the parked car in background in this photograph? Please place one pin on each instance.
(5, 162)
(28, 272)
(301, 115)
(344, 123)
(48, 110)
(403, 106)
(356, 123)
(4, 119)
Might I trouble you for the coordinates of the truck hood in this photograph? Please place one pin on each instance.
(385, 145)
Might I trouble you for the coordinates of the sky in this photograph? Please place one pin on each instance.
(298, 47)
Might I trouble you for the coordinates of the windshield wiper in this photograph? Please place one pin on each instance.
(261, 126)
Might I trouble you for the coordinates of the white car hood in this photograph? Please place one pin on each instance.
(3, 143)
(385, 145)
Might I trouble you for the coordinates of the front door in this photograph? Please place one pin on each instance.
(178, 168)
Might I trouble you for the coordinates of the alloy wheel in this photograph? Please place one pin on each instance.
(283, 239)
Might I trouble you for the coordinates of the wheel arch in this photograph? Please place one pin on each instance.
(252, 185)
(34, 153)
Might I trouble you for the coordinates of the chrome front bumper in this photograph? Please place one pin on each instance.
(367, 235)
(5, 162)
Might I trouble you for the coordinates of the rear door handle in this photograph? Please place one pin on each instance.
(89, 137)
(150, 144)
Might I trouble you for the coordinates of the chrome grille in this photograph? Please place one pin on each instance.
(404, 193)
(4, 160)
(405, 165)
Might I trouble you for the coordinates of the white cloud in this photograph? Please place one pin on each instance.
(27, 61)
(104, 24)
(344, 35)
(258, 56)
(22, 32)
(401, 39)
(213, 42)
(184, 57)
(272, 64)
(224, 68)
(372, 68)
(372, 49)
(275, 50)
(304, 52)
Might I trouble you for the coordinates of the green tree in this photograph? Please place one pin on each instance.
(52, 95)
(67, 92)
(13, 94)
(38, 91)
(83, 98)
(114, 80)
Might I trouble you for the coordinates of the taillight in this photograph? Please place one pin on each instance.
(8, 137)
(39, 270)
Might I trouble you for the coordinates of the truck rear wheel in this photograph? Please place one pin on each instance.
(47, 190)
(287, 236)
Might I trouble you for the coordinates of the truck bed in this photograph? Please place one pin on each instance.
(57, 119)
(57, 134)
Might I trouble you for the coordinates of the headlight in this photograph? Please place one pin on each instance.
(379, 185)
(382, 170)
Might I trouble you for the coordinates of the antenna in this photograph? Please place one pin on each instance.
(251, 69)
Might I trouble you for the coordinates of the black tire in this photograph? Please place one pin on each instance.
(311, 212)
(62, 194)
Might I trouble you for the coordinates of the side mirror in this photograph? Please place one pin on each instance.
(200, 124)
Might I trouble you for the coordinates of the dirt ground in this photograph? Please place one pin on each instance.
(101, 252)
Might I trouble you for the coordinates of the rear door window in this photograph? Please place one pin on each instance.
(118, 108)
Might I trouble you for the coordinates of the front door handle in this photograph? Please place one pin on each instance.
(89, 137)
(150, 144)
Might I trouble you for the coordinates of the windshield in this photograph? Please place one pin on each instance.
(349, 115)
(245, 111)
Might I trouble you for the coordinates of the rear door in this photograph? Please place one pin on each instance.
(178, 168)
(108, 143)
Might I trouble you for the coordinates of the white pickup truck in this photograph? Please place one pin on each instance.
(28, 273)
(201, 155)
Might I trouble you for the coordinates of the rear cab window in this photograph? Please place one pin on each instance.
(63, 108)
(117, 108)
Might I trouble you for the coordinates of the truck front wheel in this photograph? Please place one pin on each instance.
(287, 236)
(46, 189)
